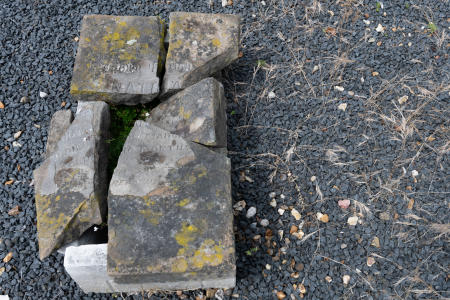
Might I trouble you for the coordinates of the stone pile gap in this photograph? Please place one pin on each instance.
(167, 207)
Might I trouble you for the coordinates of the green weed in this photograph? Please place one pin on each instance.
(261, 63)
(251, 251)
(432, 27)
(378, 7)
(122, 121)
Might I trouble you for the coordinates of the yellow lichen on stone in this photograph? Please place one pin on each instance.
(183, 202)
(173, 46)
(186, 235)
(185, 114)
(216, 42)
(209, 254)
(151, 216)
(202, 170)
(179, 266)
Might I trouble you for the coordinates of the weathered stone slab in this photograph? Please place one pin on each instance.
(71, 184)
(87, 266)
(118, 59)
(198, 114)
(61, 120)
(199, 46)
(169, 211)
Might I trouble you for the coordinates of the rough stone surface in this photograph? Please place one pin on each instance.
(118, 59)
(70, 186)
(87, 266)
(197, 114)
(169, 211)
(199, 46)
(61, 120)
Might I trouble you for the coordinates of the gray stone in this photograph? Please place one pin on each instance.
(61, 120)
(87, 266)
(169, 211)
(119, 59)
(198, 114)
(199, 46)
(71, 184)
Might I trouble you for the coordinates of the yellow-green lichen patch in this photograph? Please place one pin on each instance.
(216, 42)
(179, 266)
(183, 202)
(151, 215)
(186, 235)
(209, 254)
(185, 114)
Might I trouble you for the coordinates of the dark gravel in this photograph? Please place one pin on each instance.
(300, 52)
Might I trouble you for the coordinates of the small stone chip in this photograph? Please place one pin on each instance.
(344, 204)
(370, 261)
(322, 217)
(251, 212)
(352, 221)
(281, 295)
(17, 134)
(403, 99)
(346, 279)
(375, 242)
(8, 257)
(296, 214)
(342, 106)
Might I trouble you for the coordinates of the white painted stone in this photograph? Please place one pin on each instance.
(87, 266)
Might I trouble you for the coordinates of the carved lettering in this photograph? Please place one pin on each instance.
(176, 67)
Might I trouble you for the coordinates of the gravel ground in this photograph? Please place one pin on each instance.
(324, 105)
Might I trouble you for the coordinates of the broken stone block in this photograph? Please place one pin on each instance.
(196, 114)
(119, 59)
(71, 184)
(61, 120)
(199, 46)
(87, 266)
(169, 211)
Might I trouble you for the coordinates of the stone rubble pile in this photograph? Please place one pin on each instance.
(168, 204)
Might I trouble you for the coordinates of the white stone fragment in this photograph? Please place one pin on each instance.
(352, 221)
(296, 214)
(264, 223)
(379, 28)
(87, 266)
(342, 106)
(251, 212)
(43, 94)
(17, 134)
(273, 203)
(272, 95)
